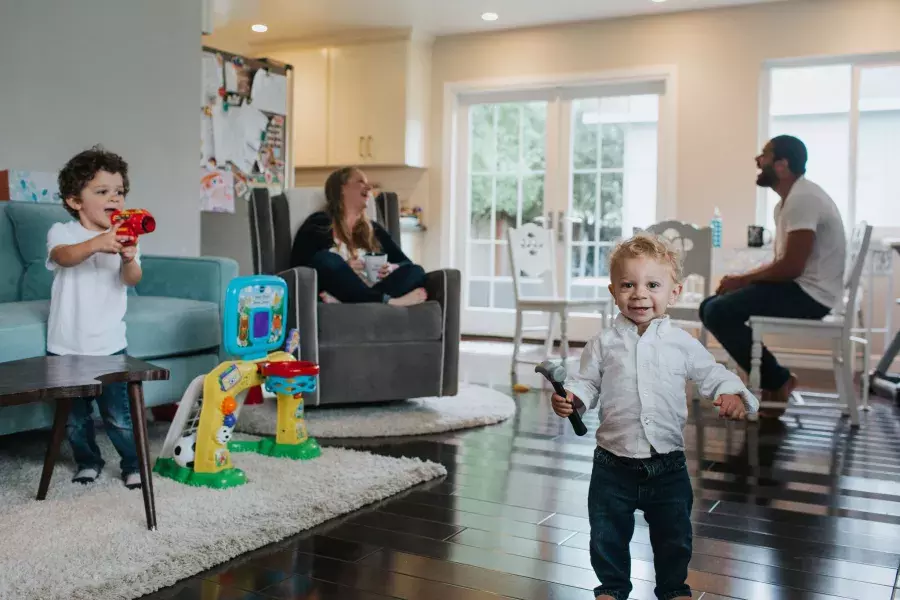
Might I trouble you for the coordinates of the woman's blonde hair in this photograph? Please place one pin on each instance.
(361, 235)
(647, 245)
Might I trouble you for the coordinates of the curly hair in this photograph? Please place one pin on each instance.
(646, 245)
(83, 167)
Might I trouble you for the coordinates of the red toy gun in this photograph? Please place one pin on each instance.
(133, 222)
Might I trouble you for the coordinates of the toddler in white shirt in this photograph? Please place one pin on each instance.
(637, 371)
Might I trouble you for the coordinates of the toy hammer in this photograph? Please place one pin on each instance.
(555, 373)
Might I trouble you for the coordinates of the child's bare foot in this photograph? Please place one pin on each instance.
(328, 298)
(417, 296)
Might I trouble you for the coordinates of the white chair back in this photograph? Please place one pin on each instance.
(857, 249)
(695, 245)
(532, 255)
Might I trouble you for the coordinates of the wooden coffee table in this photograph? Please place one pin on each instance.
(61, 378)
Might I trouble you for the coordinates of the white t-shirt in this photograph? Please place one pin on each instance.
(807, 206)
(87, 301)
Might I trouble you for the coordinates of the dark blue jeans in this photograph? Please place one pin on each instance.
(661, 488)
(726, 318)
(338, 279)
(115, 409)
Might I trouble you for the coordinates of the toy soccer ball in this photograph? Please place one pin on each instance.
(223, 435)
(184, 451)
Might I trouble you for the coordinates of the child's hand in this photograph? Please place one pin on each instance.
(108, 243)
(128, 253)
(731, 406)
(562, 406)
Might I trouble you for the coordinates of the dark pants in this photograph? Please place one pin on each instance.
(661, 488)
(726, 318)
(115, 409)
(340, 280)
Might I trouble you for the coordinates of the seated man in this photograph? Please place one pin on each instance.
(805, 280)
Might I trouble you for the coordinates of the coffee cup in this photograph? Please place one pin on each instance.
(374, 262)
(756, 236)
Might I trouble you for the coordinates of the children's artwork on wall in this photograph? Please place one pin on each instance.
(29, 186)
(243, 126)
(269, 92)
(217, 190)
(270, 161)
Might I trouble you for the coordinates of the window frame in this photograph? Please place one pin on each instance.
(857, 62)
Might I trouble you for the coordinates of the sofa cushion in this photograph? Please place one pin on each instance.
(341, 324)
(160, 326)
(10, 261)
(23, 329)
(31, 222)
(157, 327)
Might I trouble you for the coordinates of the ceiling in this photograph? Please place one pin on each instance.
(298, 19)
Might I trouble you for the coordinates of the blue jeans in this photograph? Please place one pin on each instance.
(115, 409)
(726, 318)
(661, 488)
(340, 280)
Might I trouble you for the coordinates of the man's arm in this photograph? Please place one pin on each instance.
(790, 266)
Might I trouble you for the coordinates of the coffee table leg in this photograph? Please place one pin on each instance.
(59, 432)
(139, 424)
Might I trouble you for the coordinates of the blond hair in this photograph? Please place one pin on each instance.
(646, 245)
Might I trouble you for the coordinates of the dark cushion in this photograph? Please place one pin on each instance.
(342, 324)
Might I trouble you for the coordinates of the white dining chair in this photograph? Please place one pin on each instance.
(837, 327)
(532, 258)
(695, 246)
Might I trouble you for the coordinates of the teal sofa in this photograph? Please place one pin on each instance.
(173, 316)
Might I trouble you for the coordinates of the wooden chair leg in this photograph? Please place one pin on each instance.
(61, 416)
(756, 363)
(139, 425)
(517, 341)
(849, 391)
(548, 343)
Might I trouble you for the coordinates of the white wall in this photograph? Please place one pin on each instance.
(123, 73)
(718, 56)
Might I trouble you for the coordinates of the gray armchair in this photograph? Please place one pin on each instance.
(366, 352)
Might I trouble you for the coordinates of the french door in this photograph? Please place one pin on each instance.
(581, 161)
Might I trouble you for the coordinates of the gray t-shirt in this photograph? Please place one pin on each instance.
(807, 206)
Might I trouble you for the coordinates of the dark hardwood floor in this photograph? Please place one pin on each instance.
(818, 519)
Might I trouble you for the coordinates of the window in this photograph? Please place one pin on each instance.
(580, 159)
(848, 115)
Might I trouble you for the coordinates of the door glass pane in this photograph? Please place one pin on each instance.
(506, 181)
(813, 104)
(878, 154)
(613, 182)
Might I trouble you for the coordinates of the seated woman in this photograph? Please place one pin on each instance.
(335, 242)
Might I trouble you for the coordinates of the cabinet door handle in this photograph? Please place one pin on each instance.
(361, 139)
(370, 147)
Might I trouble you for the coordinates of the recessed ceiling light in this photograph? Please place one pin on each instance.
(658, 1)
(259, 28)
(489, 16)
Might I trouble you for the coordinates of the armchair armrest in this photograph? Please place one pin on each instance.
(444, 287)
(303, 309)
(203, 278)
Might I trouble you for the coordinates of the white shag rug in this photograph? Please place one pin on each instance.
(473, 406)
(91, 542)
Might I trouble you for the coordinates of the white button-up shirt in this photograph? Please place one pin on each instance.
(639, 382)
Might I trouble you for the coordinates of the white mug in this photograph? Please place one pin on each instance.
(374, 262)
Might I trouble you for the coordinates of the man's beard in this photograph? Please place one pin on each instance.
(767, 177)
